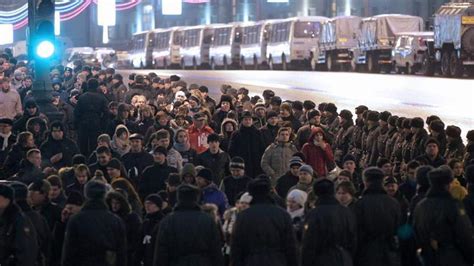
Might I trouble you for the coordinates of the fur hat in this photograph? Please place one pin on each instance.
(346, 114)
(271, 114)
(440, 176)
(206, 173)
(309, 105)
(430, 141)
(7, 192)
(373, 175)
(470, 135)
(95, 190)
(393, 120)
(155, 199)
(225, 98)
(188, 193)
(312, 114)
(361, 109)
(437, 125)
(237, 162)
(331, 108)
(323, 187)
(417, 122)
(268, 94)
(298, 196)
(373, 116)
(453, 132)
(385, 115)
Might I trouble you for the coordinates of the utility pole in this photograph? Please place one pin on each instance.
(41, 52)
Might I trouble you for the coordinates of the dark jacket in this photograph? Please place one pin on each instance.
(233, 186)
(175, 247)
(263, 235)
(148, 235)
(330, 235)
(469, 202)
(95, 237)
(269, 134)
(51, 212)
(284, 183)
(14, 157)
(218, 163)
(135, 163)
(91, 111)
(18, 240)
(437, 162)
(378, 218)
(153, 179)
(52, 147)
(247, 143)
(211, 194)
(443, 230)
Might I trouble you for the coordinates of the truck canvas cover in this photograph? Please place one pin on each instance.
(448, 27)
(341, 32)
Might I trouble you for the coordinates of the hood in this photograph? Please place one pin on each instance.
(229, 120)
(36, 119)
(125, 206)
(314, 131)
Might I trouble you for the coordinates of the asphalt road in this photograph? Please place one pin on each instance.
(409, 96)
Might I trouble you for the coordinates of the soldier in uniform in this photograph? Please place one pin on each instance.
(18, 243)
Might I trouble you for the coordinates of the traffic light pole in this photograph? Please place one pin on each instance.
(42, 86)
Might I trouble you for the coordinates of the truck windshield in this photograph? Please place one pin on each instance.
(307, 29)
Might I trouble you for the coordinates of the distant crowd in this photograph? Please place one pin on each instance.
(148, 170)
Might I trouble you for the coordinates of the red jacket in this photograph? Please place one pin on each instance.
(316, 156)
(198, 138)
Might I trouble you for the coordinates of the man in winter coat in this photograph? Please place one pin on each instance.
(95, 236)
(343, 137)
(137, 159)
(270, 130)
(89, 115)
(30, 169)
(173, 157)
(18, 240)
(247, 143)
(215, 159)
(290, 178)
(263, 234)
(237, 182)
(58, 150)
(378, 218)
(431, 155)
(7, 138)
(198, 132)
(38, 192)
(174, 246)
(154, 176)
(210, 191)
(318, 153)
(330, 230)
(43, 233)
(149, 231)
(275, 158)
(443, 229)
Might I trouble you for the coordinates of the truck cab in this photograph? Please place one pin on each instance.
(410, 51)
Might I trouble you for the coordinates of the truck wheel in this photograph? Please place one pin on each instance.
(372, 64)
(284, 65)
(329, 63)
(445, 64)
(456, 66)
(427, 66)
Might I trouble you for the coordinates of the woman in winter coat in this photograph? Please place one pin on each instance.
(24, 143)
(318, 152)
(228, 127)
(182, 145)
(120, 143)
(133, 198)
(146, 120)
(276, 158)
(118, 204)
(38, 127)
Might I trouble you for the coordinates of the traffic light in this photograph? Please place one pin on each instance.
(43, 36)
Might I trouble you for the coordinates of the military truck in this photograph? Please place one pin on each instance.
(377, 39)
(454, 39)
(338, 38)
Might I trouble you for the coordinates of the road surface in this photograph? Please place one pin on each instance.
(409, 96)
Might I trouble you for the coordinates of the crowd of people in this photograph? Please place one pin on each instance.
(151, 170)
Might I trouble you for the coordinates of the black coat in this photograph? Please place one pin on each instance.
(51, 212)
(148, 234)
(284, 183)
(18, 240)
(91, 111)
(140, 161)
(153, 179)
(218, 163)
(176, 247)
(269, 134)
(233, 186)
(263, 235)
(28, 173)
(330, 235)
(247, 143)
(443, 230)
(469, 203)
(378, 218)
(52, 147)
(14, 157)
(43, 233)
(95, 236)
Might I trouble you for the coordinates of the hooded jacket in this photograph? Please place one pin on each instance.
(276, 159)
(316, 156)
(38, 136)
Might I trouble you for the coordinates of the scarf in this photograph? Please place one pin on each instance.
(5, 140)
(120, 146)
(297, 213)
(182, 147)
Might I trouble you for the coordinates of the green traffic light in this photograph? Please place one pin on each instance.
(45, 49)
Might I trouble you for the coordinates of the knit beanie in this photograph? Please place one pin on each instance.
(298, 196)
(237, 162)
(95, 190)
(205, 173)
(155, 199)
(307, 168)
(7, 192)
